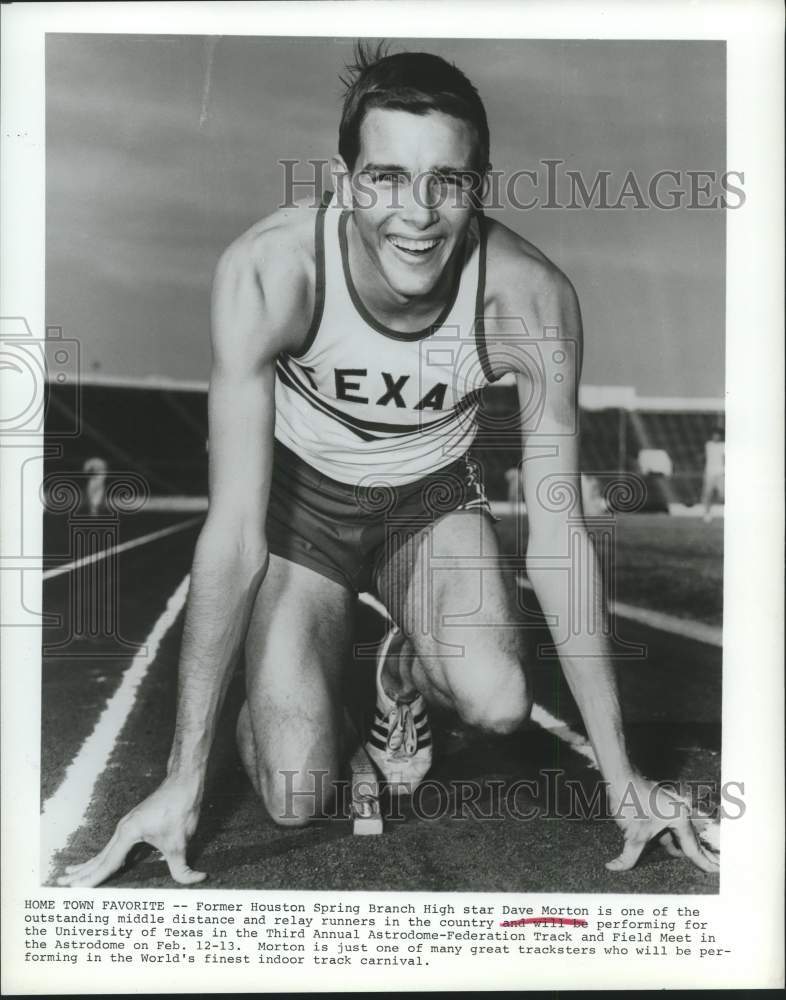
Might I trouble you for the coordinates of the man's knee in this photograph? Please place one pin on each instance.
(287, 815)
(501, 708)
(296, 797)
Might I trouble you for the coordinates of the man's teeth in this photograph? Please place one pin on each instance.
(413, 246)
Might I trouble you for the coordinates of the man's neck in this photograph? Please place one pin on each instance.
(402, 312)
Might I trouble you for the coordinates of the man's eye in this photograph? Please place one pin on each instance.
(461, 180)
(386, 178)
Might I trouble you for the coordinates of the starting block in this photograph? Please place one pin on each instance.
(366, 815)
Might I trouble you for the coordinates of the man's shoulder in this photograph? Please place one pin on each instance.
(527, 296)
(519, 274)
(278, 254)
(283, 238)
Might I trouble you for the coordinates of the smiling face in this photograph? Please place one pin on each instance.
(411, 206)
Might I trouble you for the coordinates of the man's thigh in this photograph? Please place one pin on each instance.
(296, 649)
(447, 591)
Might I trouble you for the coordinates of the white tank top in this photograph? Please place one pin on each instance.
(362, 403)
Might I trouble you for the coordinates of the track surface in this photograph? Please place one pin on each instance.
(671, 700)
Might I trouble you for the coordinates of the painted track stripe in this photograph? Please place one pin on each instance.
(66, 810)
(133, 543)
(712, 635)
(562, 730)
(377, 605)
(178, 504)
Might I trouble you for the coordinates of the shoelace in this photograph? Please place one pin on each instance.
(402, 738)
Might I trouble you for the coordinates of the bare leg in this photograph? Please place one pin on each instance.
(706, 497)
(290, 730)
(463, 646)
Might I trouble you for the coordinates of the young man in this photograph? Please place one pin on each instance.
(349, 346)
(714, 466)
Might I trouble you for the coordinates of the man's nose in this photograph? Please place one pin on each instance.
(421, 206)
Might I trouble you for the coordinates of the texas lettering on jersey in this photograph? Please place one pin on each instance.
(348, 388)
(361, 399)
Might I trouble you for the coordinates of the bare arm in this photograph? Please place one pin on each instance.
(560, 547)
(231, 555)
(564, 570)
(250, 326)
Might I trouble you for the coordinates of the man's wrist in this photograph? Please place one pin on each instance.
(622, 788)
(186, 772)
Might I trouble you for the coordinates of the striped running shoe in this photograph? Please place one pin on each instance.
(400, 738)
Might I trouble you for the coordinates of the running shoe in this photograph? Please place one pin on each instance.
(400, 738)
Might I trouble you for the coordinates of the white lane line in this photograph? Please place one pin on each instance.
(707, 829)
(377, 605)
(132, 544)
(180, 505)
(562, 730)
(66, 810)
(712, 635)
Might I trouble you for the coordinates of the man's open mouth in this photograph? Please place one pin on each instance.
(414, 248)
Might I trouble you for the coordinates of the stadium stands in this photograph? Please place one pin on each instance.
(159, 430)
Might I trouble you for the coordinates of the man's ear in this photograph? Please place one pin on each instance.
(485, 183)
(342, 181)
(481, 184)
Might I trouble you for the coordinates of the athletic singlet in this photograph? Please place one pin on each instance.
(364, 404)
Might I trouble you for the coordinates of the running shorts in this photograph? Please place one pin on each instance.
(345, 532)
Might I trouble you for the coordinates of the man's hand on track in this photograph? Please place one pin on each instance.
(166, 820)
(667, 817)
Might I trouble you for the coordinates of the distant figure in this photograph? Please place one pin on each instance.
(95, 488)
(592, 499)
(714, 463)
(655, 461)
(515, 483)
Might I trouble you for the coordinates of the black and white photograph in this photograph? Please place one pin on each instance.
(381, 492)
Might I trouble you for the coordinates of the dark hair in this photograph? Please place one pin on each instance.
(417, 82)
